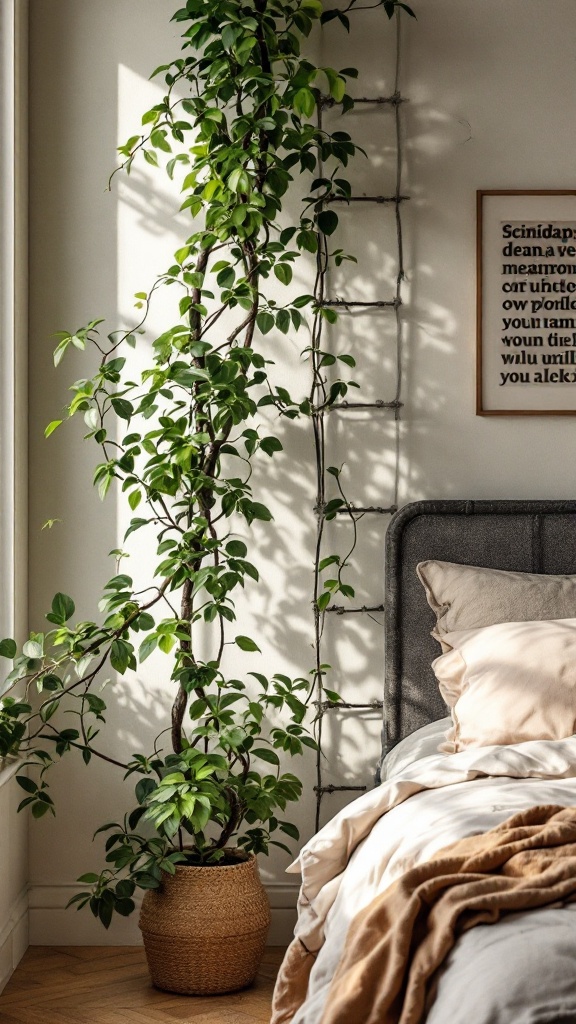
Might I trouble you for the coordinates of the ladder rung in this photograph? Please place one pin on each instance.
(379, 404)
(367, 199)
(339, 789)
(357, 509)
(329, 705)
(346, 303)
(341, 609)
(393, 100)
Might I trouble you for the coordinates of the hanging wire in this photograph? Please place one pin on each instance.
(318, 398)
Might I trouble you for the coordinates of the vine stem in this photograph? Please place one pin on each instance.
(317, 399)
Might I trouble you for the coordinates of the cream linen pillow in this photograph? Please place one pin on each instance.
(468, 596)
(508, 683)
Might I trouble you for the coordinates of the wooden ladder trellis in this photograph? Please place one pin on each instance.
(323, 707)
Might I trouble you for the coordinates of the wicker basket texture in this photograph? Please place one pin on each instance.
(205, 928)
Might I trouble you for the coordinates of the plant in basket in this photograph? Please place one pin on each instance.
(178, 438)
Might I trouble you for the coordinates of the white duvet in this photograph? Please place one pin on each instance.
(519, 971)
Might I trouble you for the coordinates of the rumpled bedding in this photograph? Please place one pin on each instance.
(377, 838)
(397, 943)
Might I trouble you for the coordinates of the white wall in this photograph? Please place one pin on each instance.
(13, 865)
(492, 87)
(13, 455)
(491, 105)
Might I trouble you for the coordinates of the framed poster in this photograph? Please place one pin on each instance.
(526, 303)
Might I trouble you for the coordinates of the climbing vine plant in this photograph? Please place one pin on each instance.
(233, 130)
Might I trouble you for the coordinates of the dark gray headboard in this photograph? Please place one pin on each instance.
(526, 536)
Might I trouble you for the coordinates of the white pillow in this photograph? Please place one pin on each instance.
(509, 683)
(418, 744)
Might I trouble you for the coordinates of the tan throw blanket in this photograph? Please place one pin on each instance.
(396, 944)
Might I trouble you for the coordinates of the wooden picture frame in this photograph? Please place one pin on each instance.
(526, 302)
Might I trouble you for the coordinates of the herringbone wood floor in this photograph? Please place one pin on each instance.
(110, 985)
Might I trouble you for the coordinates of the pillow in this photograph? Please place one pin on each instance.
(420, 743)
(468, 596)
(509, 683)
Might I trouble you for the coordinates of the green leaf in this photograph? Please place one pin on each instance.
(32, 649)
(8, 648)
(239, 181)
(120, 653)
(144, 880)
(332, 506)
(147, 646)
(124, 907)
(28, 785)
(303, 300)
(129, 145)
(270, 445)
(283, 271)
(330, 315)
(52, 427)
(304, 102)
(95, 703)
(283, 317)
(282, 846)
(60, 350)
(166, 643)
(135, 524)
(39, 809)
(63, 607)
(150, 117)
(327, 222)
(236, 549)
(246, 644)
(265, 322)
(337, 88)
(122, 408)
(266, 755)
(239, 214)
(290, 830)
(330, 560)
(230, 34)
(252, 510)
(145, 621)
(105, 911)
(143, 789)
(125, 888)
(51, 682)
(158, 140)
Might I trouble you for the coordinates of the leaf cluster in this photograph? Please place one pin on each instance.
(235, 127)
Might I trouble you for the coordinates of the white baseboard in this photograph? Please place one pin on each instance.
(283, 900)
(14, 939)
(52, 925)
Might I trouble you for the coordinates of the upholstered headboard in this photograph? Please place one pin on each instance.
(526, 536)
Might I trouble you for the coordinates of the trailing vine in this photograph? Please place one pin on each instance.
(232, 130)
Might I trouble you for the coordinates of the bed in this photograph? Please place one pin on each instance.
(520, 970)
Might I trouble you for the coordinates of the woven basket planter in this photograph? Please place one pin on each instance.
(205, 928)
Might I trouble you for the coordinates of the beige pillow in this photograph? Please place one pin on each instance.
(468, 596)
(508, 683)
